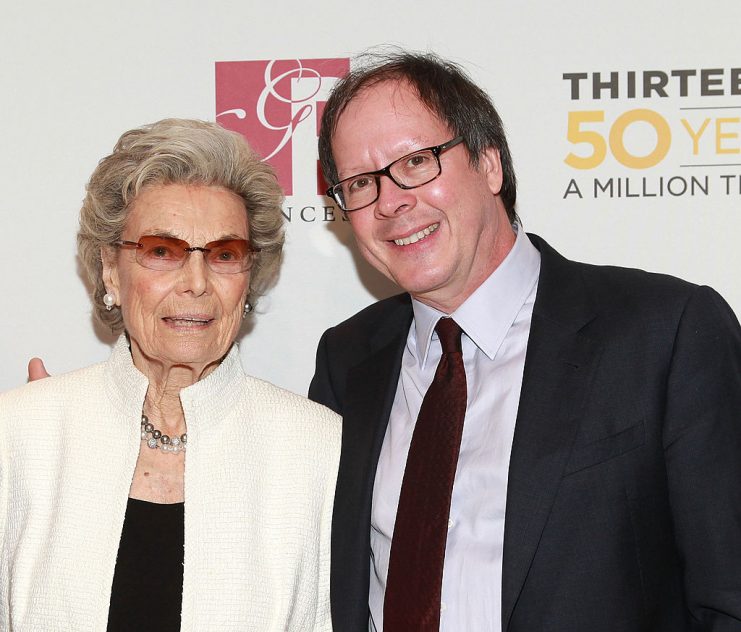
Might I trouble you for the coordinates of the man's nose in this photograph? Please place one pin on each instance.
(392, 199)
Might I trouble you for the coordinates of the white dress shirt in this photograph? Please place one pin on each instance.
(496, 323)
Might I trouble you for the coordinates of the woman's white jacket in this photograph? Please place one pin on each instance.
(260, 475)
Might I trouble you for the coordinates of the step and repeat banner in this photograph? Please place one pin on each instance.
(624, 121)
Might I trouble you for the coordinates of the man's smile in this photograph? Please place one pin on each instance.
(417, 236)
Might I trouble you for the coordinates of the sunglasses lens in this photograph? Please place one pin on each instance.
(229, 256)
(161, 253)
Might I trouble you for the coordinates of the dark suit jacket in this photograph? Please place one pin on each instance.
(624, 493)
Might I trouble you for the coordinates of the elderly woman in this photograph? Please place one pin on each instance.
(165, 489)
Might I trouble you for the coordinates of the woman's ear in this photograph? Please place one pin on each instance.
(110, 271)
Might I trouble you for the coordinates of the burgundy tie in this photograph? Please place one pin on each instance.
(414, 583)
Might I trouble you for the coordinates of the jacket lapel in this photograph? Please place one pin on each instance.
(369, 395)
(558, 367)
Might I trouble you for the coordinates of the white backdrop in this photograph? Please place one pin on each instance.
(74, 75)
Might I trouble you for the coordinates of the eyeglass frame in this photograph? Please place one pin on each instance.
(386, 171)
(125, 244)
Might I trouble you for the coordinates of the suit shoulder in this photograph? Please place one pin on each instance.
(610, 284)
(658, 302)
(636, 282)
(625, 295)
(369, 318)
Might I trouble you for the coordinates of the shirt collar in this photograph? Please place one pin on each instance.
(488, 313)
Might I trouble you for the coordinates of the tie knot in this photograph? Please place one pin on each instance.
(450, 335)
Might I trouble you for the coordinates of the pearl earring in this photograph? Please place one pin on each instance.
(109, 301)
(247, 309)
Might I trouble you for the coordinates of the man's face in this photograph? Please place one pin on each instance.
(469, 233)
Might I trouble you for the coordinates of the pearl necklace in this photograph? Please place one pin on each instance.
(156, 440)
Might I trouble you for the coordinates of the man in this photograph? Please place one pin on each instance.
(598, 478)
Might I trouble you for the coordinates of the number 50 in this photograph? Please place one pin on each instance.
(576, 135)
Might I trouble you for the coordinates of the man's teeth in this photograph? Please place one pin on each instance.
(415, 237)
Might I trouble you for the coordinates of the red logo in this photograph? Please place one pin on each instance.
(276, 105)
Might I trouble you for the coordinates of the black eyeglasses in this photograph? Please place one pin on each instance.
(158, 252)
(408, 172)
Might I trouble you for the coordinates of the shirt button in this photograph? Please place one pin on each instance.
(451, 523)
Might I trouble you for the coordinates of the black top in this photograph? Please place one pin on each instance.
(148, 580)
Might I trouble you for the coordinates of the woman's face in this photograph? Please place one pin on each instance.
(189, 316)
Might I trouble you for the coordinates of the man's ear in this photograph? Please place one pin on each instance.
(110, 271)
(491, 166)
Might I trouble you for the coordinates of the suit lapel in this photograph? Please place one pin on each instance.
(558, 367)
(369, 395)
